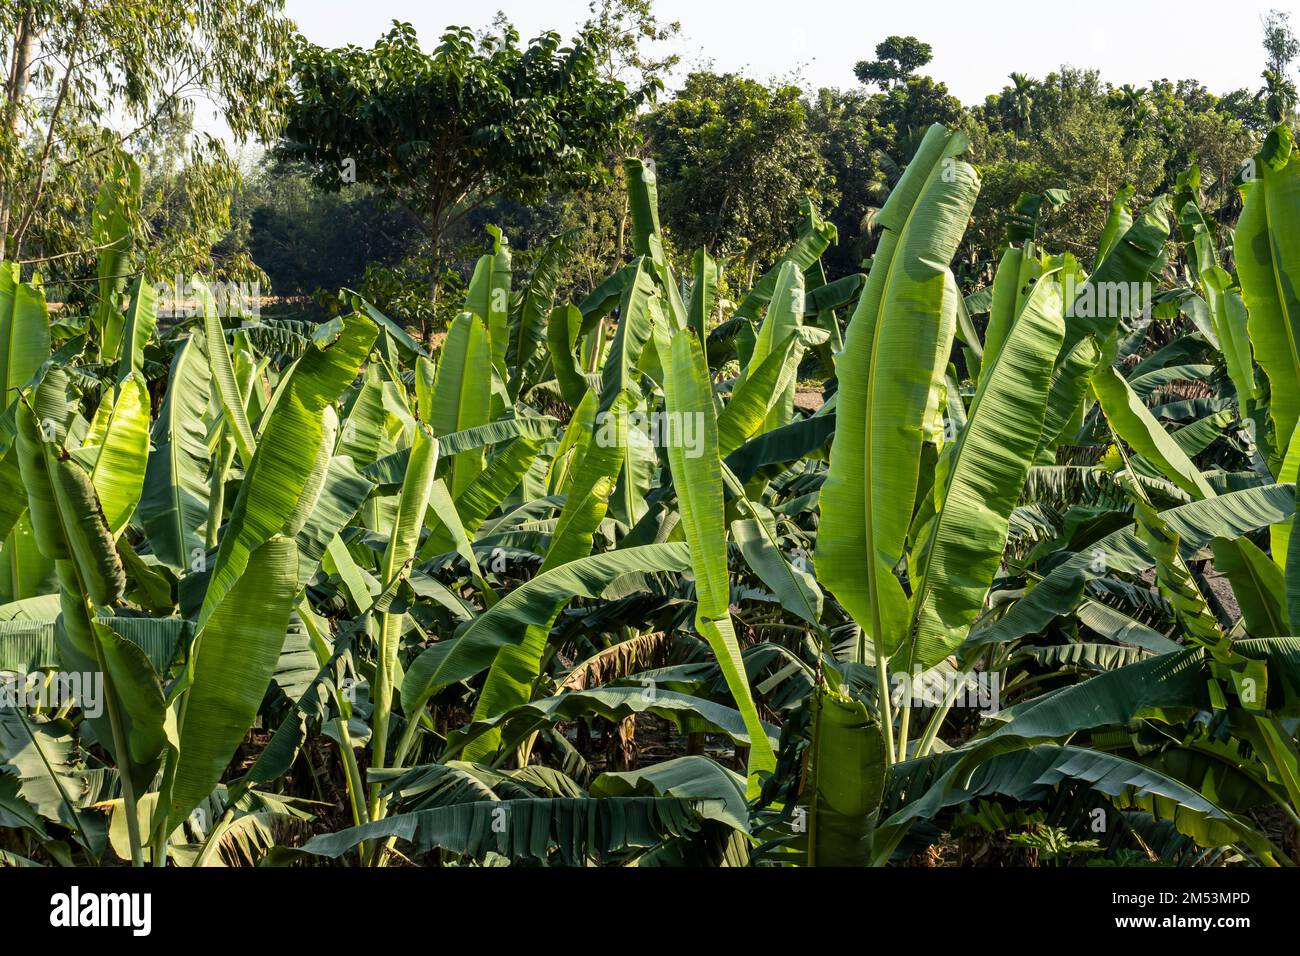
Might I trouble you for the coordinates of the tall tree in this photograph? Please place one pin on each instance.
(897, 60)
(851, 140)
(1280, 43)
(1280, 50)
(443, 133)
(632, 41)
(735, 158)
(89, 80)
(1022, 93)
(1132, 104)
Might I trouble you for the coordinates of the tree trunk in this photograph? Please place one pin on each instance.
(15, 90)
(429, 328)
(622, 233)
(622, 740)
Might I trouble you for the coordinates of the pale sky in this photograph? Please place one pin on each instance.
(975, 43)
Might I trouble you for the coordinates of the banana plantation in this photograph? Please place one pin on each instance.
(595, 583)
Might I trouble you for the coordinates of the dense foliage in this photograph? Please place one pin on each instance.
(720, 139)
(477, 119)
(90, 84)
(588, 584)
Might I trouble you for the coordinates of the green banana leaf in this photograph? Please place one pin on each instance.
(1266, 253)
(1196, 524)
(535, 603)
(24, 333)
(488, 298)
(571, 831)
(978, 482)
(272, 492)
(141, 320)
(234, 655)
(462, 393)
(697, 479)
(1133, 423)
(174, 503)
(1257, 583)
(894, 357)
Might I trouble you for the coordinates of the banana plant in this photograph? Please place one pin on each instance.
(471, 577)
(890, 375)
(1264, 254)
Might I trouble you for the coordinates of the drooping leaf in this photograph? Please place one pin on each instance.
(697, 479)
(234, 655)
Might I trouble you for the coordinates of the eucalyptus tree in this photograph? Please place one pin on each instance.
(88, 81)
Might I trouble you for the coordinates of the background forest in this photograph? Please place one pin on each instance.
(735, 155)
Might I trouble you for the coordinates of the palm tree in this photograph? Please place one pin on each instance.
(1278, 94)
(1022, 100)
(1133, 106)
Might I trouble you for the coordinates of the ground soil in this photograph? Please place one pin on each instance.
(808, 399)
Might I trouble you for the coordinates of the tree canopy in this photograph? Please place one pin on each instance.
(90, 81)
(897, 60)
(735, 158)
(477, 119)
